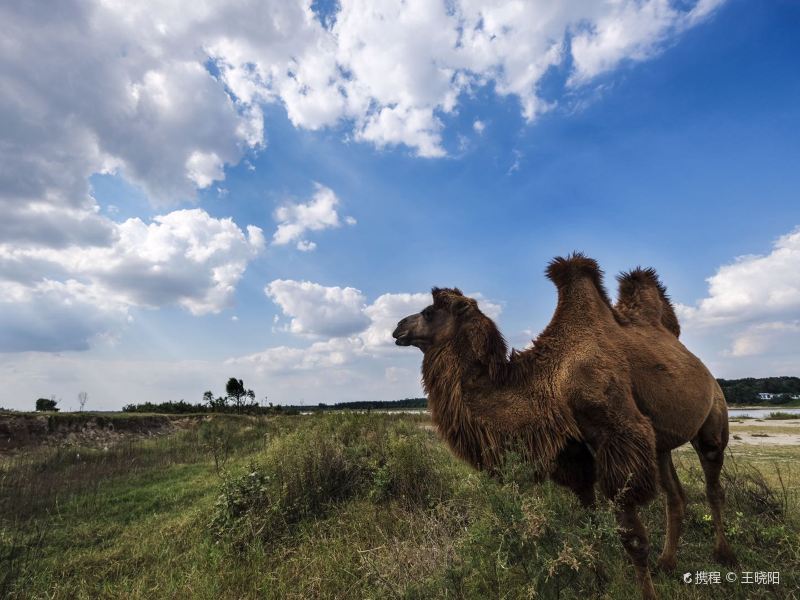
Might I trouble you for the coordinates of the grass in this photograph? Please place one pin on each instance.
(780, 415)
(355, 506)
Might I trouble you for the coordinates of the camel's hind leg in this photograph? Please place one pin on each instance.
(710, 444)
(675, 509)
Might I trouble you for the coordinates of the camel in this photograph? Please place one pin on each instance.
(601, 398)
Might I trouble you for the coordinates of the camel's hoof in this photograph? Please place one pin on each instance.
(725, 556)
(666, 563)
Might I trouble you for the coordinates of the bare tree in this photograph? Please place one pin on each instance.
(82, 398)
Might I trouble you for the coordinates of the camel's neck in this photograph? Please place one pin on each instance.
(482, 404)
(453, 386)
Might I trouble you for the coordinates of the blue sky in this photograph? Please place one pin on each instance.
(673, 144)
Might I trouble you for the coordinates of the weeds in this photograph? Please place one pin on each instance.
(782, 415)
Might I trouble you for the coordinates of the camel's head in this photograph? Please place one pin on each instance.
(438, 323)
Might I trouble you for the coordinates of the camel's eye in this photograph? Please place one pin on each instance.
(427, 314)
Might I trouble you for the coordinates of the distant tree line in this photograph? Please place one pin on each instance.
(237, 399)
(404, 404)
(745, 391)
(240, 400)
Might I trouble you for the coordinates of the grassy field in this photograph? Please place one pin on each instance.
(355, 506)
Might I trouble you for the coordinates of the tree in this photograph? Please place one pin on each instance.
(82, 398)
(215, 404)
(237, 392)
(47, 404)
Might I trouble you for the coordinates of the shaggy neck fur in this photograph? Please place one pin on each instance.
(477, 395)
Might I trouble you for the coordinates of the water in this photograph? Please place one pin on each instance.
(760, 413)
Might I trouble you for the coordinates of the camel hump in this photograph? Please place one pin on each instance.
(563, 271)
(642, 297)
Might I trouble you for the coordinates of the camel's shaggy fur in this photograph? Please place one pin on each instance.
(603, 395)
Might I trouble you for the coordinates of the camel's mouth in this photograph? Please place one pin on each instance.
(402, 338)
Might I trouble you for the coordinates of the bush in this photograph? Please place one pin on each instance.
(327, 459)
(409, 475)
(301, 474)
(525, 542)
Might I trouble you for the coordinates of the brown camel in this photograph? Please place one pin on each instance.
(603, 396)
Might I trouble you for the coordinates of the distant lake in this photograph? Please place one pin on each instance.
(760, 413)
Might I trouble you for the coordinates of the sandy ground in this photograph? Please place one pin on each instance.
(765, 433)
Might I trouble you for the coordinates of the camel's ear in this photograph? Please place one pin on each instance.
(457, 292)
(462, 305)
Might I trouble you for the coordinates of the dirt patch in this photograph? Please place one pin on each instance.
(766, 433)
(764, 439)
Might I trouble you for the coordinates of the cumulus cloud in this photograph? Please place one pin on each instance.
(57, 299)
(753, 287)
(319, 213)
(754, 303)
(630, 31)
(96, 87)
(318, 310)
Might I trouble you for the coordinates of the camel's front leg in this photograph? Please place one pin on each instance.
(575, 470)
(634, 539)
(675, 509)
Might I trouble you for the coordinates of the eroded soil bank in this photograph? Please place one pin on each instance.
(19, 431)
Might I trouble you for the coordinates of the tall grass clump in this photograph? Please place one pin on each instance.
(326, 460)
(524, 542)
(780, 415)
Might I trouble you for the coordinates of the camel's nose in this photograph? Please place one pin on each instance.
(401, 326)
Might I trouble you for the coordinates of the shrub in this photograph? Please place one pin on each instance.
(327, 459)
(527, 542)
(410, 473)
(302, 473)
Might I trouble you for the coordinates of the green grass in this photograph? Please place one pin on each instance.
(354, 506)
(782, 415)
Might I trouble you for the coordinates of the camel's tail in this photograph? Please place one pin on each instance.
(643, 298)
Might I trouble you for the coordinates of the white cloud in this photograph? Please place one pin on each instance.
(97, 87)
(318, 310)
(306, 246)
(753, 287)
(630, 31)
(203, 168)
(749, 323)
(70, 295)
(479, 126)
(332, 353)
(775, 336)
(319, 213)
